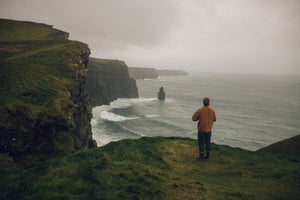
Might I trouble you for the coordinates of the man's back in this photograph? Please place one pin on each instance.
(206, 117)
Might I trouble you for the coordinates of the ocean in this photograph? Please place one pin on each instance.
(252, 111)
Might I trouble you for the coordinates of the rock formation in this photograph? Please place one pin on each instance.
(161, 94)
(109, 80)
(44, 106)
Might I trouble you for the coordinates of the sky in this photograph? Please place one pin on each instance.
(221, 36)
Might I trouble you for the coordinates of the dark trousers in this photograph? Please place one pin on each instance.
(204, 138)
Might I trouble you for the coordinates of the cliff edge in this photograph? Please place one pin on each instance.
(44, 106)
(287, 147)
(154, 168)
(152, 73)
(108, 80)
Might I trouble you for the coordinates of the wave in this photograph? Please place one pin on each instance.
(114, 117)
(151, 116)
(103, 112)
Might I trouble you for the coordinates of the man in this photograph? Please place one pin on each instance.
(206, 117)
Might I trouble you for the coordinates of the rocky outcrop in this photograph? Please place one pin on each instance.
(44, 105)
(82, 112)
(142, 73)
(161, 94)
(109, 80)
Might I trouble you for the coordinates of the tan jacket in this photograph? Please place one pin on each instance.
(206, 116)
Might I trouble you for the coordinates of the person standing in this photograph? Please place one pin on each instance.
(205, 116)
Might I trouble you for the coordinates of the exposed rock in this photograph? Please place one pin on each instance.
(109, 80)
(161, 94)
(45, 108)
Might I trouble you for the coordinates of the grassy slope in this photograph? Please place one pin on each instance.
(154, 168)
(287, 147)
(37, 73)
(35, 66)
(11, 30)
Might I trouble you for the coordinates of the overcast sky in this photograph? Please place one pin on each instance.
(240, 36)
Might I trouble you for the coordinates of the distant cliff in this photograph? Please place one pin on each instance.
(44, 107)
(108, 80)
(151, 73)
(171, 72)
(142, 73)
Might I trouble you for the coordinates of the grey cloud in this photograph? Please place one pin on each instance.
(215, 35)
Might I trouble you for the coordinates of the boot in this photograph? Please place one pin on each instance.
(207, 156)
(201, 156)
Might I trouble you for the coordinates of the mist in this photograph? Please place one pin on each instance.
(229, 36)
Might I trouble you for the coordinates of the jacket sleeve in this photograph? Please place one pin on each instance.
(196, 116)
(214, 115)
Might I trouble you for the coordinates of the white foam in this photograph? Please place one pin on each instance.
(131, 131)
(151, 116)
(114, 117)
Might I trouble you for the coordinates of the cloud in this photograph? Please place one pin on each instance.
(215, 35)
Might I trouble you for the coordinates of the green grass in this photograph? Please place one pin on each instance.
(154, 168)
(11, 30)
(38, 76)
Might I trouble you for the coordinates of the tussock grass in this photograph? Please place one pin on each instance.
(154, 168)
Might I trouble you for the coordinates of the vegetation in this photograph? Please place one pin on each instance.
(11, 30)
(287, 147)
(38, 75)
(154, 168)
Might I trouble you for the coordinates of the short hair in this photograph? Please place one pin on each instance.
(206, 101)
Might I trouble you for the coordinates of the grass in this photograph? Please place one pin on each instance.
(38, 76)
(11, 30)
(154, 168)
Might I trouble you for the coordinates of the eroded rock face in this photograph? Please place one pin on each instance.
(29, 136)
(109, 80)
(161, 94)
(44, 105)
(82, 112)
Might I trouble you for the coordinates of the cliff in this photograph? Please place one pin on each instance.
(142, 73)
(287, 147)
(108, 80)
(151, 73)
(171, 72)
(44, 107)
(154, 168)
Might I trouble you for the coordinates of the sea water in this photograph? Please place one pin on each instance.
(252, 111)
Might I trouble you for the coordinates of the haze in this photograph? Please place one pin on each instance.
(224, 36)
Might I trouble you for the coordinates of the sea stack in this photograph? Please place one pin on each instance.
(161, 94)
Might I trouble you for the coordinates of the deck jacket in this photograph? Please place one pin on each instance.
(206, 117)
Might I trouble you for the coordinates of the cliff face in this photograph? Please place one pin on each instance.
(44, 104)
(165, 72)
(142, 73)
(109, 80)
